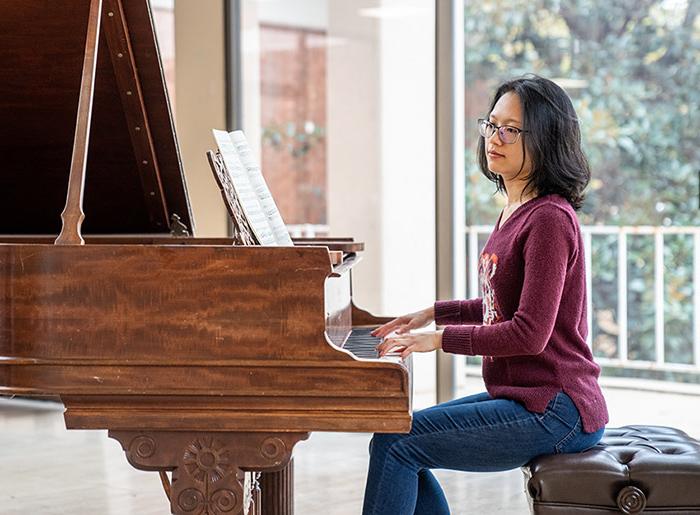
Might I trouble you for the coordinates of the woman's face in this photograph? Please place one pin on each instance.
(504, 159)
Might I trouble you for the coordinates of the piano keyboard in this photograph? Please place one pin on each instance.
(362, 344)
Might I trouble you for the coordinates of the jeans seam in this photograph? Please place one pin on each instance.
(500, 424)
(561, 419)
(570, 436)
(554, 404)
(381, 477)
(470, 429)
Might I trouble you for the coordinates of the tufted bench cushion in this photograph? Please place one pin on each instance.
(633, 469)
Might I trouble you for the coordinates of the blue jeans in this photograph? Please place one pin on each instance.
(475, 434)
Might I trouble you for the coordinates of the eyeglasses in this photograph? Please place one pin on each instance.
(506, 133)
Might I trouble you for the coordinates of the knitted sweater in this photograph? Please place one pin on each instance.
(530, 322)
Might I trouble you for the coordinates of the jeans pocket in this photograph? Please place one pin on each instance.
(575, 439)
(561, 420)
(563, 445)
(565, 411)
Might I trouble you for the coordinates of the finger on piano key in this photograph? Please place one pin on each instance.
(383, 330)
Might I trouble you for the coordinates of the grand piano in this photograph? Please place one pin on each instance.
(208, 361)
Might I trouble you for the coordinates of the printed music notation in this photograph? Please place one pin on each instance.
(251, 189)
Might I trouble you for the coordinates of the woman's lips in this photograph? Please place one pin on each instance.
(494, 155)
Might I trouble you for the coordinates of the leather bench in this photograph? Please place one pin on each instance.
(632, 470)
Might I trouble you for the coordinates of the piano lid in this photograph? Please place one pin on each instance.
(134, 181)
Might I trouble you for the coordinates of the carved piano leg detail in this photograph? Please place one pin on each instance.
(207, 479)
(277, 490)
(208, 468)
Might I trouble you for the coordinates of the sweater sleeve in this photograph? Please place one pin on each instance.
(459, 312)
(550, 245)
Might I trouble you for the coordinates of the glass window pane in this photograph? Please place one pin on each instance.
(631, 70)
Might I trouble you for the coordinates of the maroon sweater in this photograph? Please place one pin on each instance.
(530, 322)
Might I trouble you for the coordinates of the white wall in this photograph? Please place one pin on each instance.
(408, 168)
(381, 153)
(408, 156)
(162, 4)
(310, 14)
(250, 80)
(201, 105)
(355, 185)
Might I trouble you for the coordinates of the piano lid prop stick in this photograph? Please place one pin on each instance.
(73, 215)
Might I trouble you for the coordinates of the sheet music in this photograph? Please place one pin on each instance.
(245, 192)
(257, 181)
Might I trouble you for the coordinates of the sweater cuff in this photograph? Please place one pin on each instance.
(458, 339)
(447, 312)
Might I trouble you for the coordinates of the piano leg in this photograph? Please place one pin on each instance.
(278, 491)
(257, 500)
(208, 467)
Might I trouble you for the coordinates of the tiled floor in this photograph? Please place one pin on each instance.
(46, 470)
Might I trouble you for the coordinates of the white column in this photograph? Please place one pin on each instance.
(354, 143)
(450, 209)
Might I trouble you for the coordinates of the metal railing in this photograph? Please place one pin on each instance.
(622, 359)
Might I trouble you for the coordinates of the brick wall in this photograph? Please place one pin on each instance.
(293, 117)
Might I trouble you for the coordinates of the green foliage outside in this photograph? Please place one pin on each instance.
(632, 69)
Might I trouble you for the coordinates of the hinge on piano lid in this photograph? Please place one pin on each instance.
(177, 228)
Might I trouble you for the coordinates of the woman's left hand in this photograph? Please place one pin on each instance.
(411, 342)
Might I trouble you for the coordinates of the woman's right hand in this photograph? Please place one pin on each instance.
(406, 323)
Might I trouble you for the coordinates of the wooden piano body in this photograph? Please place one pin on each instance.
(203, 358)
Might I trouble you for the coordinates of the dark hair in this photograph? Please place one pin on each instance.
(552, 141)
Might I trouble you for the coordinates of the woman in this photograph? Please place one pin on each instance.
(529, 324)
